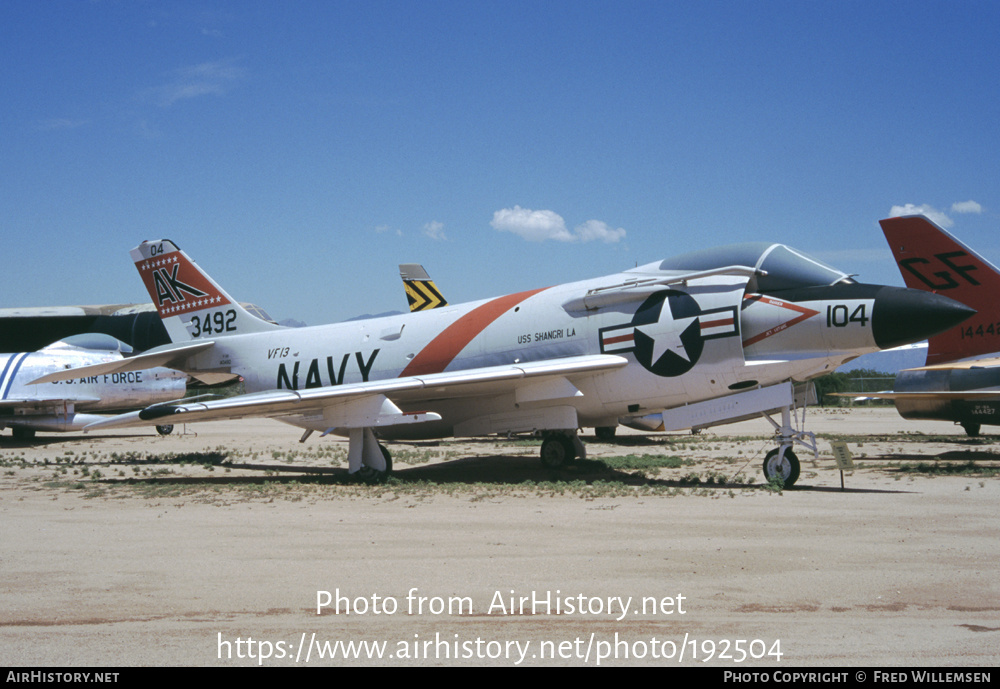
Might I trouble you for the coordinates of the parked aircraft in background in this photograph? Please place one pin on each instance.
(691, 341)
(28, 329)
(69, 405)
(421, 292)
(31, 328)
(961, 381)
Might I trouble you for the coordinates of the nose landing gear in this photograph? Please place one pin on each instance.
(781, 463)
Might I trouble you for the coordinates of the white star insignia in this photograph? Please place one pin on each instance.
(666, 334)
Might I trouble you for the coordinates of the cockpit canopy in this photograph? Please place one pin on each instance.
(786, 268)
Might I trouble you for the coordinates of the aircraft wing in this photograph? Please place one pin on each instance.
(946, 395)
(922, 395)
(168, 356)
(374, 403)
(963, 365)
(64, 311)
(971, 395)
(44, 402)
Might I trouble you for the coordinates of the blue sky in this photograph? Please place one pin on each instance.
(300, 150)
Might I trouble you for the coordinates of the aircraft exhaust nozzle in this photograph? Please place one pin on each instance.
(902, 316)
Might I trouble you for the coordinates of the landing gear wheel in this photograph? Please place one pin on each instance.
(605, 433)
(388, 460)
(785, 468)
(165, 429)
(971, 428)
(557, 451)
(22, 433)
(369, 475)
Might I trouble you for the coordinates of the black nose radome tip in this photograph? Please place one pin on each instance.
(903, 316)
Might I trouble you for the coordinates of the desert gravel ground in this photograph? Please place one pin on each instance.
(133, 549)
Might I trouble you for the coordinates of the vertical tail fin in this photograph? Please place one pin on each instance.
(931, 259)
(421, 291)
(190, 303)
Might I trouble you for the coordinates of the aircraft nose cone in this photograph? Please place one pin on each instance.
(903, 316)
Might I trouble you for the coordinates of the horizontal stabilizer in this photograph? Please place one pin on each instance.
(960, 365)
(168, 356)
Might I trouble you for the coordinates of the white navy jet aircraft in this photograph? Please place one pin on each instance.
(71, 404)
(690, 341)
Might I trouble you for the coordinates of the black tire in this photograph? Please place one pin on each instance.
(22, 433)
(165, 429)
(388, 459)
(787, 470)
(972, 428)
(605, 433)
(373, 476)
(557, 451)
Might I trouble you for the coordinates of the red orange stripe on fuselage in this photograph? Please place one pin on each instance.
(443, 349)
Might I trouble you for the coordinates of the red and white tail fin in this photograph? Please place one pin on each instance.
(191, 304)
(930, 259)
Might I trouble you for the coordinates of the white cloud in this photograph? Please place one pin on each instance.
(208, 78)
(969, 206)
(539, 226)
(435, 230)
(909, 209)
(593, 230)
(535, 226)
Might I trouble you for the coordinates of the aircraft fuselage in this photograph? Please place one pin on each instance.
(706, 338)
(71, 404)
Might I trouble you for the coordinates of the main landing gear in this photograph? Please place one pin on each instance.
(605, 433)
(22, 433)
(781, 464)
(972, 428)
(559, 448)
(367, 459)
